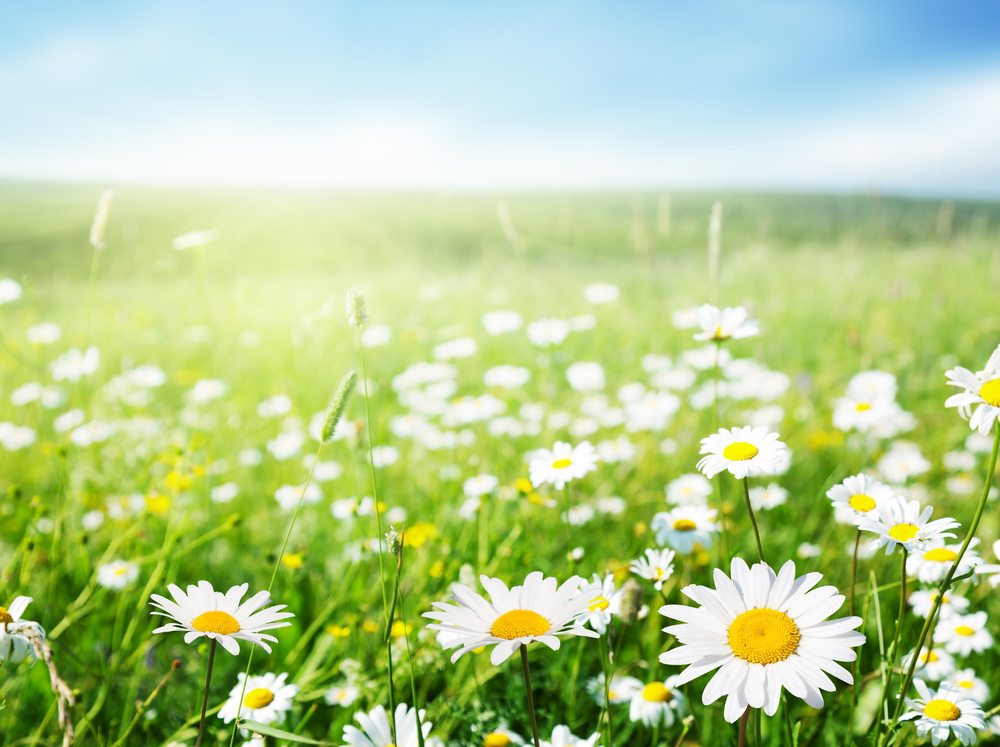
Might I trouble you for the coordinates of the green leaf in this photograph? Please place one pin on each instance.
(270, 731)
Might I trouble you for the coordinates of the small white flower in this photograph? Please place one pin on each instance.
(578, 515)
(266, 701)
(507, 377)
(935, 664)
(931, 564)
(26, 394)
(288, 496)
(872, 385)
(546, 332)
(982, 390)
(729, 323)
(767, 498)
(620, 690)
(469, 507)
(944, 712)
(657, 566)
(923, 600)
(275, 407)
(480, 485)
(74, 364)
(343, 695)
(898, 522)
(600, 293)
(461, 347)
(286, 445)
(44, 333)
(902, 461)
(10, 290)
(117, 574)
(585, 376)
(14, 645)
(384, 456)
(689, 489)
(973, 687)
(563, 737)
(658, 703)
(743, 451)
(583, 322)
(685, 318)
(856, 497)
(225, 492)
(605, 601)
(205, 390)
(686, 528)
(250, 457)
(808, 550)
(611, 504)
(963, 634)
(562, 464)
(500, 322)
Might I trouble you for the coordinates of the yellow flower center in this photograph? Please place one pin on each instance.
(967, 684)
(496, 740)
(942, 710)
(561, 463)
(684, 525)
(258, 698)
(862, 406)
(929, 658)
(5, 616)
(718, 334)
(763, 636)
(965, 630)
(659, 574)
(519, 624)
(657, 692)
(903, 532)
(861, 502)
(598, 603)
(990, 392)
(941, 555)
(120, 571)
(216, 622)
(739, 451)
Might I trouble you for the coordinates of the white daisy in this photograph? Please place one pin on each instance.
(499, 322)
(963, 634)
(598, 293)
(117, 574)
(14, 645)
(944, 712)
(902, 461)
(341, 695)
(502, 736)
(605, 601)
(266, 701)
(586, 376)
(563, 737)
(766, 632)
(935, 664)
(856, 497)
(376, 732)
(657, 566)
(202, 611)
(621, 690)
(545, 332)
(658, 703)
(685, 527)
(743, 451)
(480, 485)
(992, 570)
(729, 323)
(898, 522)
(932, 563)
(762, 498)
(539, 610)
(982, 389)
(872, 385)
(564, 463)
(689, 488)
(922, 601)
(507, 377)
(975, 688)
(863, 415)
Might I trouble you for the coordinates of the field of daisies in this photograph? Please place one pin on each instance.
(420, 473)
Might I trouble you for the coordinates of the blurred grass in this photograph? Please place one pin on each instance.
(839, 284)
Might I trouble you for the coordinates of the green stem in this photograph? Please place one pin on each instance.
(854, 664)
(899, 627)
(569, 528)
(208, 680)
(753, 519)
(531, 700)
(946, 583)
(606, 708)
(371, 464)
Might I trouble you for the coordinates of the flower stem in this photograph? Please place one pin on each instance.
(946, 584)
(899, 627)
(569, 528)
(854, 664)
(753, 519)
(208, 680)
(531, 700)
(742, 739)
(606, 709)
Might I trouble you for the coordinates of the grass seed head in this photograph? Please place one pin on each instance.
(338, 403)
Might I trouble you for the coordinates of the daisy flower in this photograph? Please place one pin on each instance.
(981, 389)
(872, 385)
(923, 601)
(742, 451)
(563, 737)
(932, 563)
(376, 732)
(621, 690)
(604, 602)
(204, 612)
(341, 695)
(766, 632)
(856, 497)
(539, 610)
(658, 703)
(562, 464)
(898, 522)
(657, 566)
(975, 688)
(266, 701)
(729, 323)
(934, 664)
(117, 574)
(963, 634)
(685, 527)
(944, 712)
(502, 737)
(690, 488)
(864, 414)
(762, 498)
(14, 645)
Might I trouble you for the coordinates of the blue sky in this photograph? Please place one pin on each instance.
(460, 95)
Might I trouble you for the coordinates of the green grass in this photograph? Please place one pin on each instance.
(840, 284)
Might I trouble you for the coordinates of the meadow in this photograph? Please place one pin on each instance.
(181, 446)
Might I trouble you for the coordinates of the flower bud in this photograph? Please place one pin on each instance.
(356, 314)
